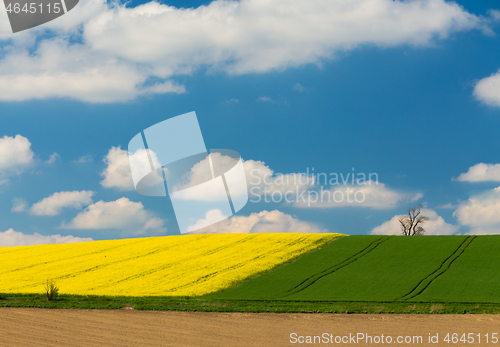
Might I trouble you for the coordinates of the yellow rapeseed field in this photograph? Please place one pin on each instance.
(189, 265)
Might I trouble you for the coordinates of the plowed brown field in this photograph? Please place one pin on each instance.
(68, 327)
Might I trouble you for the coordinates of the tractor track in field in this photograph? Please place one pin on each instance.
(316, 277)
(445, 265)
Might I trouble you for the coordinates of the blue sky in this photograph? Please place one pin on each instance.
(416, 108)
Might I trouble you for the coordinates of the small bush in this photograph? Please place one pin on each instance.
(52, 290)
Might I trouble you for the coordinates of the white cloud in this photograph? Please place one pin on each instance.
(448, 206)
(54, 204)
(128, 216)
(260, 178)
(487, 90)
(434, 226)
(117, 173)
(370, 194)
(258, 36)
(481, 172)
(53, 158)
(19, 205)
(299, 189)
(12, 238)
(480, 213)
(261, 222)
(84, 159)
(298, 87)
(71, 22)
(122, 47)
(264, 99)
(211, 217)
(232, 101)
(60, 69)
(15, 155)
(495, 14)
(162, 88)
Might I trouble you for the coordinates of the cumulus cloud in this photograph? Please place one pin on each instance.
(448, 206)
(302, 190)
(19, 205)
(84, 159)
(118, 48)
(371, 194)
(261, 222)
(257, 36)
(54, 204)
(12, 238)
(298, 87)
(480, 213)
(481, 172)
(495, 14)
(53, 158)
(264, 99)
(52, 72)
(125, 215)
(211, 217)
(487, 90)
(260, 178)
(117, 173)
(434, 226)
(15, 155)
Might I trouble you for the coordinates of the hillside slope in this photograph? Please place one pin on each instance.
(385, 269)
(189, 265)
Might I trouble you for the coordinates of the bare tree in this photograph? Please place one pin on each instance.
(413, 223)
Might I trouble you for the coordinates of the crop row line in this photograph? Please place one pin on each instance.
(314, 278)
(445, 265)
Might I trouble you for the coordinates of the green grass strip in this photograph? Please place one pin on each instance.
(201, 304)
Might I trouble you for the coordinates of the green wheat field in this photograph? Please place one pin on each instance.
(372, 274)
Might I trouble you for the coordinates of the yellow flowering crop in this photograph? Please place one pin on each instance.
(188, 265)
